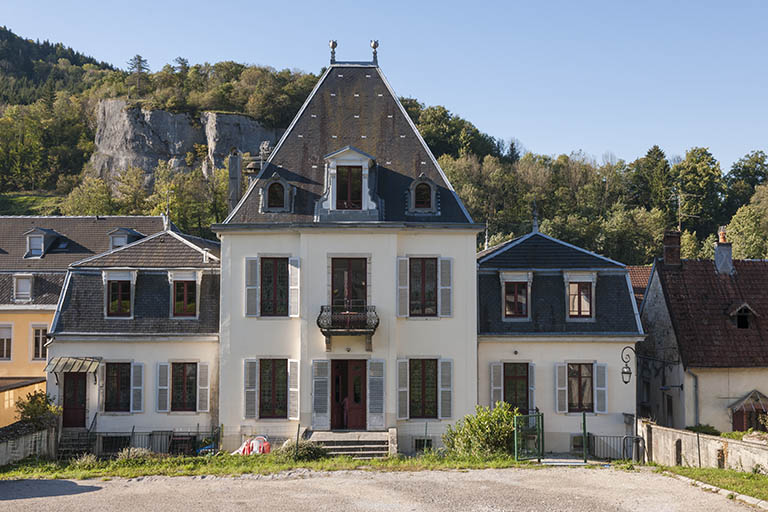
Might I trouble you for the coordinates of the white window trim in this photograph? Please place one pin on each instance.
(182, 275)
(580, 277)
(515, 277)
(32, 328)
(42, 247)
(105, 278)
(9, 359)
(353, 159)
(112, 239)
(31, 278)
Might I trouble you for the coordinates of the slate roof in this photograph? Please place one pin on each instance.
(639, 275)
(46, 287)
(699, 301)
(352, 105)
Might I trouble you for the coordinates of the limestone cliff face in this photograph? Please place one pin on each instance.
(133, 137)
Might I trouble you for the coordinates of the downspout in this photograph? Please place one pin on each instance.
(695, 395)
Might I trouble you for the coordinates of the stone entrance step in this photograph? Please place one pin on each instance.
(358, 445)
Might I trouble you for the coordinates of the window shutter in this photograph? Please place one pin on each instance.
(402, 287)
(102, 378)
(601, 384)
(531, 388)
(293, 291)
(203, 387)
(561, 387)
(445, 296)
(163, 395)
(252, 287)
(321, 395)
(402, 389)
(137, 387)
(497, 383)
(376, 394)
(293, 389)
(251, 381)
(445, 378)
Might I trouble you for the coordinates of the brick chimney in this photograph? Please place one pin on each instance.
(671, 248)
(723, 254)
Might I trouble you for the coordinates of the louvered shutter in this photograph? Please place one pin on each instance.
(531, 388)
(163, 395)
(561, 387)
(137, 387)
(445, 295)
(402, 389)
(251, 382)
(402, 287)
(203, 387)
(445, 379)
(252, 287)
(102, 378)
(293, 389)
(497, 383)
(321, 395)
(601, 384)
(293, 291)
(376, 394)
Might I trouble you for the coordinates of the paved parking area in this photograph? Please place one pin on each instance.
(547, 489)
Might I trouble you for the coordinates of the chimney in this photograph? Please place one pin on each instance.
(234, 179)
(723, 254)
(671, 248)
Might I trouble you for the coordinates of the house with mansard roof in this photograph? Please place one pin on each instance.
(35, 252)
(553, 320)
(705, 361)
(349, 265)
(134, 343)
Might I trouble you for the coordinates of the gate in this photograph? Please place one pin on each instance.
(529, 436)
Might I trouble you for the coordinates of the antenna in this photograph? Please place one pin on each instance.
(535, 218)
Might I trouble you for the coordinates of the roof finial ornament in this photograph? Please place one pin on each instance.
(332, 44)
(374, 45)
(535, 218)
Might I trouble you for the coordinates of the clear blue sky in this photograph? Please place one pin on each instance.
(564, 76)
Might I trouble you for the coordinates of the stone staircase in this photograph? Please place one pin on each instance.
(75, 442)
(358, 445)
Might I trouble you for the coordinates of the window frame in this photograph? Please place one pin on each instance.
(112, 239)
(515, 277)
(42, 354)
(416, 202)
(186, 283)
(423, 286)
(525, 379)
(20, 277)
(581, 407)
(29, 253)
(411, 366)
(276, 260)
(120, 283)
(261, 411)
(7, 342)
(347, 203)
(580, 278)
(269, 187)
(186, 364)
(108, 276)
(107, 364)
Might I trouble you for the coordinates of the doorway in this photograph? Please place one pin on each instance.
(348, 284)
(348, 409)
(73, 414)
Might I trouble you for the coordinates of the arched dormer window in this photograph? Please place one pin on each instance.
(276, 196)
(422, 197)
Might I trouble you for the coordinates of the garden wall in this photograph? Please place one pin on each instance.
(41, 444)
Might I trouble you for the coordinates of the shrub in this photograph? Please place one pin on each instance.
(85, 461)
(704, 429)
(133, 453)
(307, 451)
(485, 433)
(736, 435)
(38, 410)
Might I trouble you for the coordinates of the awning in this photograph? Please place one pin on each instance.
(73, 364)
(753, 401)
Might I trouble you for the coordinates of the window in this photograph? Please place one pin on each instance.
(276, 196)
(34, 246)
(184, 298)
(273, 388)
(22, 288)
(40, 338)
(742, 318)
(5, 342)
(516, 386)
(184, 386)
(580, 387)
(422, 287)
(117, 387)
(515, 300)
(580, 300)
(119, 241)
(274, 286)
(422, 387)
(422, 444)
(422, 196)
(119, 301)
(349, 188)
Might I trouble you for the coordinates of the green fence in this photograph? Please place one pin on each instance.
(529, 436)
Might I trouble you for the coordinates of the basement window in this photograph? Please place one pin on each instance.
(422, 444)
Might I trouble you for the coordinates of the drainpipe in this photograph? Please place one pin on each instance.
(695, 395)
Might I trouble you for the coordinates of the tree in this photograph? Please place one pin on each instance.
(132, 192)
(652, 183)
(747, 233)
(138, 67)
(92, 197)
(745, 175)
(38, 409)
(700, 188)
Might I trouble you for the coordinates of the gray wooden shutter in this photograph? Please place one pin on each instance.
(137, 387)
(376, 395)
(402, 389)
(497, 383)
(561, 387)
(293, 291)
(600, 372)
(293, 389)
(102, 380)
(203, 387)
(251, 382)
(252, 287)
(445, 295)
(531, 388)
(163, 380)
(445, 379)
(402, 287)
(321, 395)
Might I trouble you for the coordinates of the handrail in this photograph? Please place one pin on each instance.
(93, 422)
(348, 318)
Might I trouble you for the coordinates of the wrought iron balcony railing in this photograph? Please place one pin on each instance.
(348, 321)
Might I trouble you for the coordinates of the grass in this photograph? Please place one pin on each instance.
(30, 203)
(231, 465)
(751, 484)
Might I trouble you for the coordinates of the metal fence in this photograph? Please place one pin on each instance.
(529, 436)
(173, 442)
(614, 447)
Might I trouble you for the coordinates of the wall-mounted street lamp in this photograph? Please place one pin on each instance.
(626, 371)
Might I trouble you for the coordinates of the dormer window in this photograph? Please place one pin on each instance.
(422, 196)
(22, 288)
(516, 296)
(580, 295)
(743, 316)
(118, 241)
(119, 293)
(34, 246)
(349, 187)
(276, 196)
(184, 293)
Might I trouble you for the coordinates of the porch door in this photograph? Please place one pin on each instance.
(348, 401)
(74, 400)
(348, 283)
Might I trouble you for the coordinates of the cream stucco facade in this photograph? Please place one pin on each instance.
(23, 321)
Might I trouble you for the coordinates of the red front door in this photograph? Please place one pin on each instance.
(348, 399)
(74, 400)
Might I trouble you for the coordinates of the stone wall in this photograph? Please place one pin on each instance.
(39, 444)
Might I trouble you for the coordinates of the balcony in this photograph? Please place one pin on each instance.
(348, 321)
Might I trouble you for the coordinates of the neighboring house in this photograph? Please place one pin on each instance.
(553, 320)
(639, 275)
(34, 255)
(135, 340)
(350, 277)
(705, 360)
